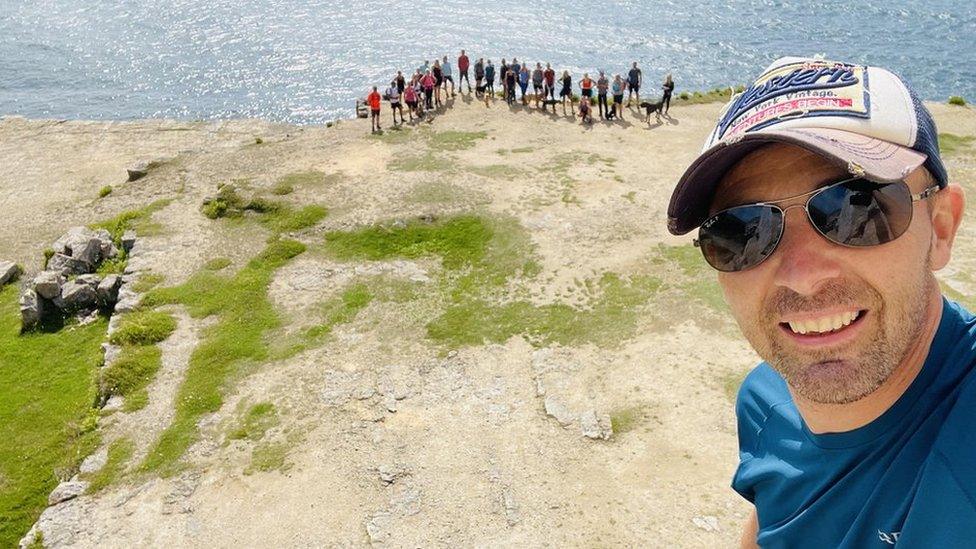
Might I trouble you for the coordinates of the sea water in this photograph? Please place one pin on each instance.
(307, 61)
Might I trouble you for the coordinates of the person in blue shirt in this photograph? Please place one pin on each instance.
(826, 226)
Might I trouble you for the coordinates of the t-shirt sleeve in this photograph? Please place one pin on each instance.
(760, 391)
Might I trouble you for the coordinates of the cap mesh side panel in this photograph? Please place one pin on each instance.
(927, 139)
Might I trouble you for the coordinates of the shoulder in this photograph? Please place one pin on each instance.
(761, 390)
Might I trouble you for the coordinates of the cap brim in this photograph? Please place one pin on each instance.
(878, 160)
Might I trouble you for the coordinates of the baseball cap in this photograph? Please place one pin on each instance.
(865, 119)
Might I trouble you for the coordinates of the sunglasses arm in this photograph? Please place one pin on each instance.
(926, 193)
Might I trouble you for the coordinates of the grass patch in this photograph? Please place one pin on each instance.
(696, 280)
(140, 220)
(276, 216)
(132, 371)
(119, 453)
(454, 140)
(480, 256)
(255, 422)
(268, 456)
(710, 96)
(105, 191)
(217, 264)
(629, 196)
(433, 192)
(136, 400)
(957, 100)
(143, 328)
(497, 171)
(625, 419)
(147, 281)
(307, 178)
(338, 310)
(954, 144)
(47, 422)
(458, 241)
(427, 162)
(286, 219)
(245, 316)
(610, 320)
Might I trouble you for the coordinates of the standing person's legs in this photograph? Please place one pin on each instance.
(667, 102)
(428, 94)
(601, 101)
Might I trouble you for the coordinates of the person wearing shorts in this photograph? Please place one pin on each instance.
(634, 80)
(617, 88)
(448, 75)
(586, 89)
(550, 79)
(463, 64)
(410, 98)
(538, 81)
(394, 97)
(373, 99)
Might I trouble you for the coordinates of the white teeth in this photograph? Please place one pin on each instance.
(824, 324)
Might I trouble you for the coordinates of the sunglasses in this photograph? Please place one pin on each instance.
(853, 212)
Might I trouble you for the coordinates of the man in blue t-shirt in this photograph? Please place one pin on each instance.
(821, 199)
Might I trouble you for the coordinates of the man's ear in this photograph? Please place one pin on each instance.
(946, 215)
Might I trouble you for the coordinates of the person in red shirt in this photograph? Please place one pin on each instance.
(463, 64)
(374, 100)
(550, 77)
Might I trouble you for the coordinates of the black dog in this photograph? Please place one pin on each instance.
(553, 102)
(651, 108)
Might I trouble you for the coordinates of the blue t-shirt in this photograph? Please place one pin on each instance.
(907, 477)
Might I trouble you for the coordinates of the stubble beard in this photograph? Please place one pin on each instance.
(847, 374)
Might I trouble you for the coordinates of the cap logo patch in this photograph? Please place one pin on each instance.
(798, 90)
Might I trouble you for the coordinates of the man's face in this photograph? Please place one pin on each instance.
(862, 308)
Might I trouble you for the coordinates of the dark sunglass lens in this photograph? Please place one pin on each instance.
(740, 238)
(861, 212)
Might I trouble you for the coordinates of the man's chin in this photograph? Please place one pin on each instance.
(833, 382)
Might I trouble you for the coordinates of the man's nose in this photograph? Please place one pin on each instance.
(806, 260)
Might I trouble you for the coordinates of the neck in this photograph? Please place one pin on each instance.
(838, 418)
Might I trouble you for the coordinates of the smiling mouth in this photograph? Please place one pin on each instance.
(823, 325)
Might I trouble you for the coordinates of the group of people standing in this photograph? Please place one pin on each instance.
(431, 83)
